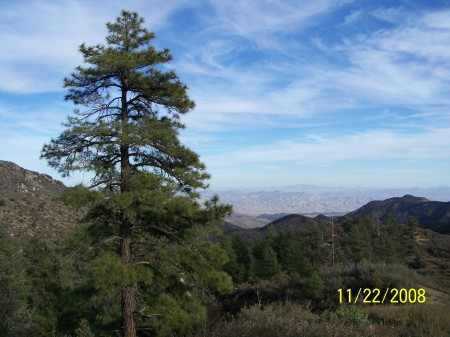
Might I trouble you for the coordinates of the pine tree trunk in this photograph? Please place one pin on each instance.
(129, 324)
(128, 295)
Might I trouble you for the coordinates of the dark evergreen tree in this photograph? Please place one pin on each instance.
(144, 189)
(233, 267)
(29, 288)
(266, 265)
(43, 288)
(313, 239)
(413, 223)
(12, 288)
(244, 257)
(290, 255)
(360, 239)
(395, 242)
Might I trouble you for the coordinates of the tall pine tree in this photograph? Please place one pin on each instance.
(144, 188)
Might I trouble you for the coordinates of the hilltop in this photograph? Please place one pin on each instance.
(431, 214)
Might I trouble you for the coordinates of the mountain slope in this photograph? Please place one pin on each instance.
(431, 214)
(27, 205)
(292, 221)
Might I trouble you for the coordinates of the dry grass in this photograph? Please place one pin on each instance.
(293, 320)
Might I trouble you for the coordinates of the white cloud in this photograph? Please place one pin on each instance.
(353, 17)
(438, 20)
(40, 43)
(407, 65)
(318, 149)
(40, 39)
(257, 20)
(253, 65)
(393, 15)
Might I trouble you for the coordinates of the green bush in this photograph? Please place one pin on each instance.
(293, 320)
(273, 320)
(290, 320)
(84, 330)
(350, 314)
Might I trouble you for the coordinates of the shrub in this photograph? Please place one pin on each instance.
(413, 320)
(273, 320)
(350, 314)
(290, 320)
(84, 330)
(417, 263)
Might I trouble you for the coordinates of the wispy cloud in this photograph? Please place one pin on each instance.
(319, 149)
(258, 21)
(405, 64)
(40, 39)
(353, 17)
(275, 82)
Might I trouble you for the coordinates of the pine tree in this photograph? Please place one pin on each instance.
(12, 287)
(42, 285)
(266, 265)
(144, 189)
(244, 257)
(413, 223)
(235, 269)
(291, 255)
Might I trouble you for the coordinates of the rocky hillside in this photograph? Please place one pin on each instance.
(27, 205)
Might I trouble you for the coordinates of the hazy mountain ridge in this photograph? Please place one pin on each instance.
(27, 207)
(434, 215)
(316, 199)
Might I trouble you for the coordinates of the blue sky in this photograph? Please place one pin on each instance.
(321, 92)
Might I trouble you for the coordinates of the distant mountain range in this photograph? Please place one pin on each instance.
(434, 215)
(308, 199)
(28, 208)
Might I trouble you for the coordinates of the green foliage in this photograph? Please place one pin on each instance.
(144, 237)
(80, 196)
(350, 314)
(29, 288)
(266, 260)
(12, 285)
(428, 319)
(287, 320)
(108, 274)
(177, 316)
(314, 286)
(360, 239)
(242, 262)
(84, 330)
(42, 273)
(289, 250)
